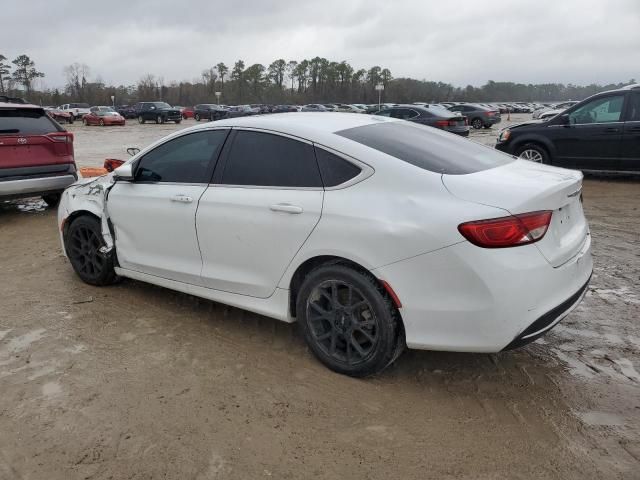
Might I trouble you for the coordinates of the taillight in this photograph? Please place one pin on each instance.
(65, 137)
(442, 123)
(491, 114)
(506, 232)
(62, 143)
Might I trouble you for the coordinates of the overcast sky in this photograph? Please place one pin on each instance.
(462, 42)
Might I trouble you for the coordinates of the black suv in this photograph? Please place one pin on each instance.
(601, 133)
(159, 112)
(208, 111)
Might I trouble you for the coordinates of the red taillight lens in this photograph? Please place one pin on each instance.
(506, 232)
(442, 123)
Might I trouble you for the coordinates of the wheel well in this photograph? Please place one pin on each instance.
(537, 143)
(77, 214)
(311, 264)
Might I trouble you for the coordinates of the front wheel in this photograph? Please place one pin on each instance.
(83, 241)
(477, 123)
(70, 120)
(102, 123)
(140, 119)
(178, 121)
(197, 117)
(85, 122)
(533, 152)
(159, 119)
(348, 322)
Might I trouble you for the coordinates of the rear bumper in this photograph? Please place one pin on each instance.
(469, 299)
(549, 320)
(492, 120)
(24, 182)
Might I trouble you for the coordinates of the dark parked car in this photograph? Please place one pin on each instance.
(433, 117)
(241, 111)
(601, 133)
(36, 153)
(315, 107)
(478, 115)
(127, 111)
(208, 111)
(284, 109)
(159, 112)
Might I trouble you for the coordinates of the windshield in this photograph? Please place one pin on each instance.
(427, 148)
(161, 105)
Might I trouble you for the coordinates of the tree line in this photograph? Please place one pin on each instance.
(316, 80)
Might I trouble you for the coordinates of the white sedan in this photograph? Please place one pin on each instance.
(372, 233)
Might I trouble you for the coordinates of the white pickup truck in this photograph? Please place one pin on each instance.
(77, 110)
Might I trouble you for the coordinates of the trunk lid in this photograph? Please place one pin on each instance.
(521, 187)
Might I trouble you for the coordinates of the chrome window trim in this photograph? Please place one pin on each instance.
(365, 170)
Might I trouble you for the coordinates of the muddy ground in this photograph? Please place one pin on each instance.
(138, 382)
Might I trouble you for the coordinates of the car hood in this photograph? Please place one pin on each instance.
(525, 124)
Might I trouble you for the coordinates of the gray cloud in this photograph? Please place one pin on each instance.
(464, 42)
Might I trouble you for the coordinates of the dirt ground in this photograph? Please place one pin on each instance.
(138, 382)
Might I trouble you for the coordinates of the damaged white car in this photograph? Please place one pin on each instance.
(372, 233)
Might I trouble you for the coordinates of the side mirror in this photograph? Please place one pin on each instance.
(564, 119)
(124, 172)
(133, 151)
(110, 164)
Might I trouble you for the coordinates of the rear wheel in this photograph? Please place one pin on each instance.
(101, 123)
(533, 152)
(51, 199)
(197, 117)
(477, 123)
(140, 119)
(178, 121)
(83, 242)
(347, 321)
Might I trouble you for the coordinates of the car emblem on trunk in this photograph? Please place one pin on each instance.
(22, 140)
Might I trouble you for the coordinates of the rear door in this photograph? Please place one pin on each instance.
(630, 149)
(592, 139)
(154, 216)
(265, 202)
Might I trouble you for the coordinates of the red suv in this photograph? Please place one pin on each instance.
(36, 153)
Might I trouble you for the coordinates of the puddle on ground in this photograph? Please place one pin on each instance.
(601, 419)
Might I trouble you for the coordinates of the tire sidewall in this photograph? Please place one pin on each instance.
(107, 275)
(383, 310)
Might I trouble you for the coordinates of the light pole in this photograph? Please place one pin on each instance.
(218, 95)
(113, 101)
(379, 88)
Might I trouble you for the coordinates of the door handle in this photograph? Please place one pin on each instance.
(612, 130)
(182, 199)
(634, 129)
(286, 207)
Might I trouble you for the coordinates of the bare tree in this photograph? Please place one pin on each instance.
(77, 75)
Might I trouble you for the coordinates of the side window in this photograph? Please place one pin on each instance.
(335, 170)
(633, 111)
(601, 110)
(384, 113)
(413, 114)
(263, 159)
(186, 159)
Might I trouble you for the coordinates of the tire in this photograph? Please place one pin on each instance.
(487, 127)
(70, 120)
(184, 117)
(534, 153)
(73, 117)
(477, 123)
(84, 122)
(197, 117)
(140, 119)
(178, 121)
(82, 242)
(350, 325)
(101, 122)
(159, 119)
(52, 199)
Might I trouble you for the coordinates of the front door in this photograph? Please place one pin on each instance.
(592, 139)
(266, 201)
(154, 217)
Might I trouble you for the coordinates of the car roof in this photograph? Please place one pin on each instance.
(18, 105)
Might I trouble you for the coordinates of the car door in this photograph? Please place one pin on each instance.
(630, 149)
(265, 201)
(154, 216)
(592, 138)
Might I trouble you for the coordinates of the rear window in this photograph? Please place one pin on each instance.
(79, 105)
(427, 148)
(26, 121)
